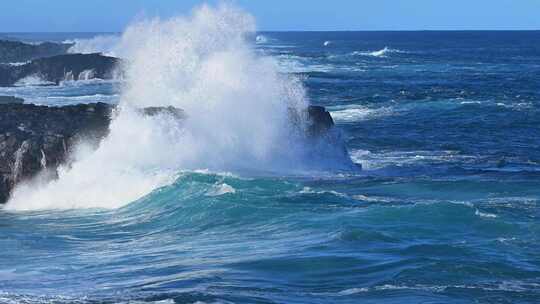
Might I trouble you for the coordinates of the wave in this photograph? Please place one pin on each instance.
(379, 53)
(373, 161)
(355, 113)
(204, 65)
(33, 80)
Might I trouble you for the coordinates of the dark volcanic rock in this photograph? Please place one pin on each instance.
(33, 138)
(319, 120)
(63, 67)
(16, 51)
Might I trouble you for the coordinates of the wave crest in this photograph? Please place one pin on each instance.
(379, 53)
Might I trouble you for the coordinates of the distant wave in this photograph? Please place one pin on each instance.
(354, 113)
(379, 160)
(380, 53)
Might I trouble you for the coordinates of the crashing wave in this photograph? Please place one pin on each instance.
(204, 65)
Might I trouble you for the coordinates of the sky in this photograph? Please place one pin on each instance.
(278, 15)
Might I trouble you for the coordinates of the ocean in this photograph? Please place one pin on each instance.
(446, 207)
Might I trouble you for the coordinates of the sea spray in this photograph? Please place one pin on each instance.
(238, 108)
(104, 44)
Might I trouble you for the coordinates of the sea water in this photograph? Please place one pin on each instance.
(446, 209)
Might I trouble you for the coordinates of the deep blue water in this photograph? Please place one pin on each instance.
(446, 210)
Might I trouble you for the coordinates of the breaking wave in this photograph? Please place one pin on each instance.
(379, 53)
(238, 109)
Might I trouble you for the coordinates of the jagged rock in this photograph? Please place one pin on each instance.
(319, 120)
(16, 51)
(34, 138)
(63, 67)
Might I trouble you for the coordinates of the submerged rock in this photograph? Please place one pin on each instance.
(35, 139)
(63, 67)
(16, 51)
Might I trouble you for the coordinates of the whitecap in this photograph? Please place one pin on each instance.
(33, 80)
(221, 189)
(485, 215)
(308, 190)
(355, 113)
(351, 291)
(373, 161)
(379, 53)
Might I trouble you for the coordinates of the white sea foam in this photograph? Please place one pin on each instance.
(221, 189)
(485, 214)
(237, 105)
(373, 161)
(379, 53)
(32, 80)
(513, 286)
(354, 113)
(15, 63)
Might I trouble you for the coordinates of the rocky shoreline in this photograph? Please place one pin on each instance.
(36, 139)
(59, 68)
(17, 51)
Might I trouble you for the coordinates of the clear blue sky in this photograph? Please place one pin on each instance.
(113, 15)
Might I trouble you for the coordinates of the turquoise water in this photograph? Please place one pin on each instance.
(446, 209)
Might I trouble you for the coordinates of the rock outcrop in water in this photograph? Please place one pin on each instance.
(16, 51)
(37, 138)
(33, 138)
(63, 67)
